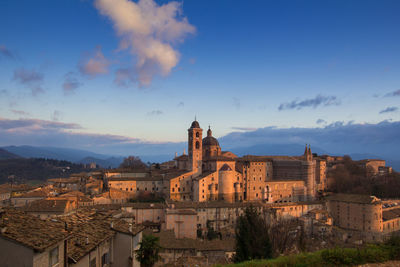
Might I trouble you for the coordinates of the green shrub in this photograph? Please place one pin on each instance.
(334, 257)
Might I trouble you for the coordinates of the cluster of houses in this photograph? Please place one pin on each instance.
(98, 218)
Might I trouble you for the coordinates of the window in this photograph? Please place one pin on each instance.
(53, 257)
(197, 145)
(197, 134)
(173, 189)
(93, 262)
(105, 259)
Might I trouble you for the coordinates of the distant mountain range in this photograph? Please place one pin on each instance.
(106, 161)
(73, 155)
(4, 154)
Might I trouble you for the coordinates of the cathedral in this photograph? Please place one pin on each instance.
(210, 174)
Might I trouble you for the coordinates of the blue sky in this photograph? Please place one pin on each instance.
(237, 65)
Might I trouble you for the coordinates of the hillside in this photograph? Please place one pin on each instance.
(4, 154)
(73, 155)
(25, 170)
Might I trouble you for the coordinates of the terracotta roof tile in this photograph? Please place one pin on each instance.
(366, 199)
(47, 205)
(31, 231)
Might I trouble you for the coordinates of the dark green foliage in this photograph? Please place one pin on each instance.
(199, 233)
(252, 240)
(148, 252)
(394, 244)
(25, 170)
(211, 233)
(349, 177)
(335, 257)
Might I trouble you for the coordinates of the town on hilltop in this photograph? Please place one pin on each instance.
(191, 204)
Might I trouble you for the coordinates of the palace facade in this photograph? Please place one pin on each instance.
(207, 173)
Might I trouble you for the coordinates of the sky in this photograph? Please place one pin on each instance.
(76, 72)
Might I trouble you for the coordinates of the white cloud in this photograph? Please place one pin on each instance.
(148, 31)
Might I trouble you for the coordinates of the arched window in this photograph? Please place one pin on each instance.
(197, 134)
(197, 145)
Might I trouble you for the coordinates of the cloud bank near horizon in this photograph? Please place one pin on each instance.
(148, 31)
(336, 138)
(37, 132)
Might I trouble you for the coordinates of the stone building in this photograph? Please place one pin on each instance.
(207, 173)
(221, 175)
(356, 212)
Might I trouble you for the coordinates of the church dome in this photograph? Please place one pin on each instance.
(210, 141)
(195, 124)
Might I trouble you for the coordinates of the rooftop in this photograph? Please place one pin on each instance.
(390, 214)
(90, 228)
(362, 199)
(31, 231)
(145, 205)
(48, 205)
(38, 193)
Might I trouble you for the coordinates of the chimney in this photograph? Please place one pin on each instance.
(87, 240)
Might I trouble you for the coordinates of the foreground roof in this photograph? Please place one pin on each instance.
(31, 231)
(90, 228)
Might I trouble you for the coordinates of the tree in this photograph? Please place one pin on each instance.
(133, 162)
(286, 234)
(252, 240)
(147, 254)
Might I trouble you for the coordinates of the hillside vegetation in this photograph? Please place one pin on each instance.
(334, 257)
(349, 177)
(25, 170)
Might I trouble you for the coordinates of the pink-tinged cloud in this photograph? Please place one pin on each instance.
(95, 64)
(148, 31)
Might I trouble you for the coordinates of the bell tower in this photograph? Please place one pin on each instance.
(195, 147)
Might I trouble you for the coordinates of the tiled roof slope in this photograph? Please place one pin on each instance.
(30, 231)
(89, 228)
(47, 205)
(353, 198)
